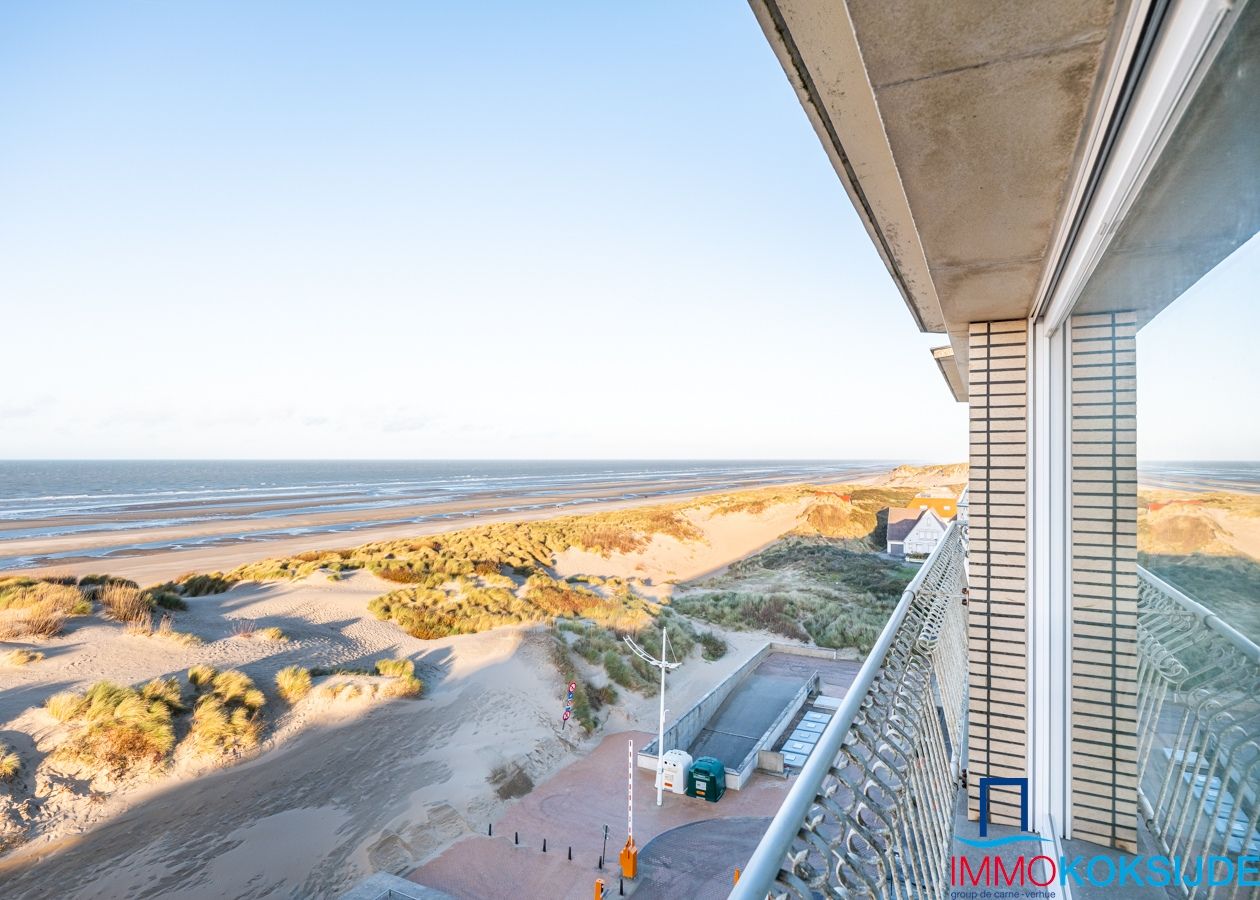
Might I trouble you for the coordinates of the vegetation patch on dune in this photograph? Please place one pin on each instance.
(226, 714)
(10, 763)
(805, 588)
(605, 647)
(22, 657)
(293, 683)
(116, 728)
(483, 577)
(490, 551)
(25, 593)
(403, 672)
(39, 607)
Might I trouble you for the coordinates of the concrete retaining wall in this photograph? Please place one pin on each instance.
(847, 653)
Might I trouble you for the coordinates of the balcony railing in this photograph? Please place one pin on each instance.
(871, 814)
(1198, 732)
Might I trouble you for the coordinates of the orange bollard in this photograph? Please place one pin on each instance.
(736, 875)
(629, 859)
(599, 889)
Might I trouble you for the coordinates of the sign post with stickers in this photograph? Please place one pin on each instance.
(568, 705)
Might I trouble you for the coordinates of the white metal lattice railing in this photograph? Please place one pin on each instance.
(1198, 732)
(871, 814)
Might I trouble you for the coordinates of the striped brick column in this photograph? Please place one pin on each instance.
(1104, 579)
(998, 532)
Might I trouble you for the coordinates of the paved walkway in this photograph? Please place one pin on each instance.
(570, 810)
(697, 861)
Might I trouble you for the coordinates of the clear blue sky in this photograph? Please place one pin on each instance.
(411, 230)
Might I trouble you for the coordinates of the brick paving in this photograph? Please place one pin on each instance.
(570, 810)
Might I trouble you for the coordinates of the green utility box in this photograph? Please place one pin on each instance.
(707, 779)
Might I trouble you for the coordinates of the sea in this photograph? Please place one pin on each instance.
(1230, 476)
(58, 500)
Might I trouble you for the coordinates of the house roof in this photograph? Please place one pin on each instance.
(902, 521)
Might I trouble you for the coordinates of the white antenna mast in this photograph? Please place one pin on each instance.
(660, 732)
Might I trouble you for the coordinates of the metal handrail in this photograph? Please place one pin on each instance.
(1210, 620)
(885, 751)
(1198, 698)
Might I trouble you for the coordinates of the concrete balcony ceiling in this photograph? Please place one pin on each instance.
(958, 130)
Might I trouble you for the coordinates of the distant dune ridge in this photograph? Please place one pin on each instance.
(952, 475)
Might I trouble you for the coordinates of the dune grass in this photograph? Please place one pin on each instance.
(293, 683)
(395, 668)
(166, 691)
(117, 728)
(479, 578)
(26, 593)
(804, 588)
(41, 606)
(127, 605)
(10, 763)
(403, 672)
(192, 584)
(605, 646)
(38, 622)
(342, 690)
(225, 716)
(22, 657)
(712, 647)
(200, 675)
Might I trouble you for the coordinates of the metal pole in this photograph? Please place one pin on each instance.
(629, 793)
(660, 729)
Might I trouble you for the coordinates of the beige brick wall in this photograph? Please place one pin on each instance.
(998, 612)
(1104, 578)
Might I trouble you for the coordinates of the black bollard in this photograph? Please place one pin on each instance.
(601, 862)
(516, 837)
(490, 830)
(621, 887)
(570, 854)
(544, 845)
